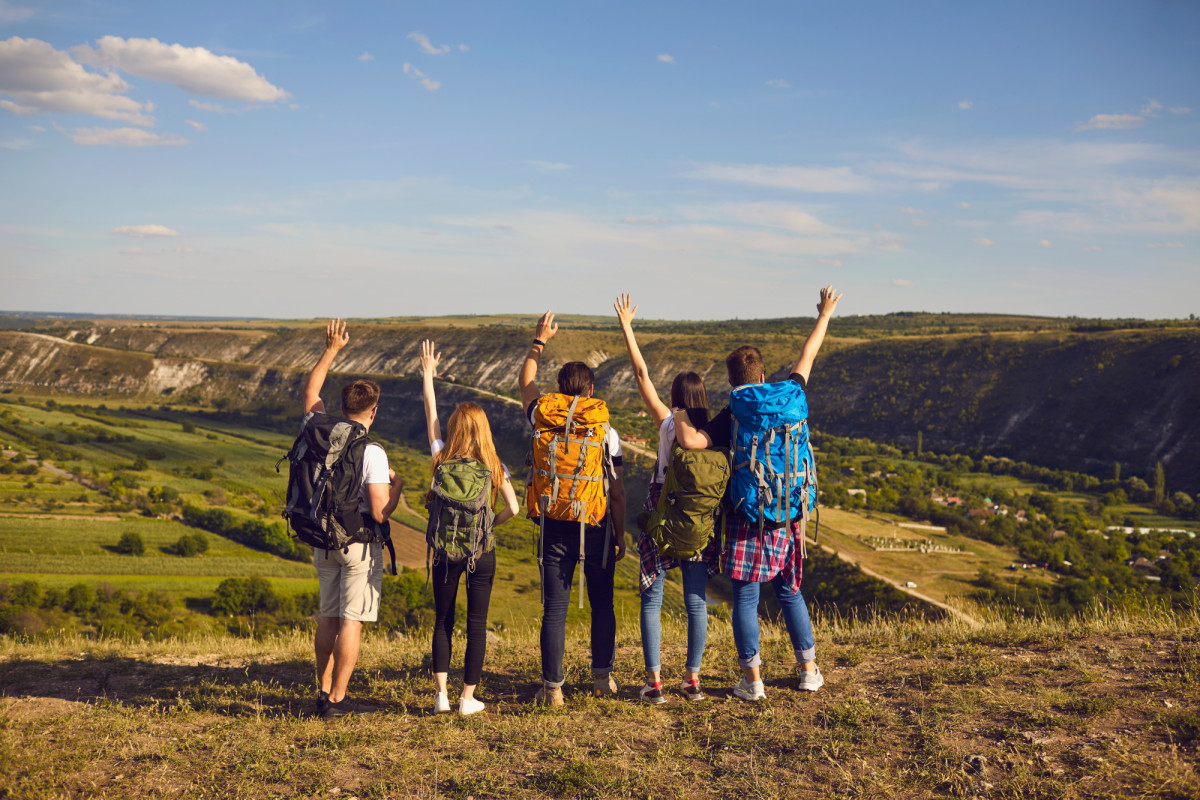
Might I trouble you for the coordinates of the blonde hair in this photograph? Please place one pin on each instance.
(468, 435)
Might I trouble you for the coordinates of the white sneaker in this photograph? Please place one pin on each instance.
(441, 703)
(469, 705)
(749, 690)
(811, 681)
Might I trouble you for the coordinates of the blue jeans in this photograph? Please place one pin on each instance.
(695, 576)
(745, 622)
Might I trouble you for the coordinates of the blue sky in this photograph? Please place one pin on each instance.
(717, 160)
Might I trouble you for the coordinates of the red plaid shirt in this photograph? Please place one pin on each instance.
(749, 556)
(651, 562)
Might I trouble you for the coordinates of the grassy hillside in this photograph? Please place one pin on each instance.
(1102, 707)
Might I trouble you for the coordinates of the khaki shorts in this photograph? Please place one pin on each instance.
(350, 581)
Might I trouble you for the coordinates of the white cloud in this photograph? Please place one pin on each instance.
(983, 242)
(773, 215)
(830, 262)
(427, 46)
(1172, 245)
(1111, 122)
(200, 126)
(40, 78)
(645, 221)
(831, 180)
(126, 137)
(910, 210)
(551, 166)
(1068, 221)
(463, 48)
(215, 108)
(1045, 243)
(972, 223)
(963, 204)
(193, 69)
(16, 144)
(920, 223)
(144, 231)
(666, 58)
(779, 83)
(1151, 108)
(1092, 248)
(965, 105)
(901, 282)
(428, 83)
(366, 57)
(37, 128)
(132, 251)
(1180, 110)
(9, 14)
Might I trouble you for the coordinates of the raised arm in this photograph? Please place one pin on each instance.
(511, 509)
(655, 406)
(429, 362)
(335, 339)
(527, 378)
(688, 435)
(828, 302)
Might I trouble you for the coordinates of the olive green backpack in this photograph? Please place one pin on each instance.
(684, 521)
(460, 513)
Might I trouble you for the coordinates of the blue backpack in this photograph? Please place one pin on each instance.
(774, 480)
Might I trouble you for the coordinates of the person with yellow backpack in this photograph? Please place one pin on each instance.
(576, 495)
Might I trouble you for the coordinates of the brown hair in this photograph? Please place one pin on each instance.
(575, 377)
(359, 396)
(745, 365)
(688, 392)
(468, 435)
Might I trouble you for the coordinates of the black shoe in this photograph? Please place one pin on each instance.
(322, 702)
(344, 708)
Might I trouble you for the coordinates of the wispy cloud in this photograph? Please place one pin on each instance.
(1151, 108)
(910, 210)
(830, 262)
(10, 14)
(832, 180)
(983, 242)
(124, 137)
(415, 73)
(144, 231)
(366, 57)
(200, 126)
(779, 83)
(16, 144)
(215, 108)
(1180, 110)
(1171, 245)
(1092, 248)
(920, 223)
(901, 282)
(963, 204)
(551, 166)
(965, 105)
(645, 221)
(666, 58)
(427, 46)
(1045, 243)
(1111, 122)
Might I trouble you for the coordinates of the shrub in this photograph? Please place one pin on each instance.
(190, 544)
(131, 544)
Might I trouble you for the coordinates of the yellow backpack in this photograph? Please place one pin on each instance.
(569, 474)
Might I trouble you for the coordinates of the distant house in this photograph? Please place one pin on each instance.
(1140, 563)
(909, 585)
(1058, 534)
(641, 413)
(979, 513)
(860, 492)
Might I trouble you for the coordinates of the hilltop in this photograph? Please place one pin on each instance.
(1102, 707)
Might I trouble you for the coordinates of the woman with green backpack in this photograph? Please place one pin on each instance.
(467, 479)
(687, 393)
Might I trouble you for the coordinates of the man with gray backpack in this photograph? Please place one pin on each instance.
(340, 496)
(772, 490)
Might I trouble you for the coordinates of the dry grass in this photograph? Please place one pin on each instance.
(1101, 706)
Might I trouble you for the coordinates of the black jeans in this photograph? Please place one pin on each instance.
(560, 554)
(445, 594)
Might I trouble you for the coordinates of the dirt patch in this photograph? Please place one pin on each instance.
(30, 709)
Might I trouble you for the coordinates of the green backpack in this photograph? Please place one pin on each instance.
(460, 513)
(684, 521)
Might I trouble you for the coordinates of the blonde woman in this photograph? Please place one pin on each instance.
(468, 435)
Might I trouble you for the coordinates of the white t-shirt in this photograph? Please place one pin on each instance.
(666, 441)
(438, 444)
(375, 470)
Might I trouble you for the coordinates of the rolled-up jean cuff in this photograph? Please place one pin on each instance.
(751, 662)
(601, 672)
(657, 668)
(805, 656)
(554, 684)
(692, 668)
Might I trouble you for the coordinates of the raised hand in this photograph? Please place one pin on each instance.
(335, 335)
(828, 302)
(429, 361)
(546, 327)
(624, 313)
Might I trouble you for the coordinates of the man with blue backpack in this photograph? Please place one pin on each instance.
(772, 490)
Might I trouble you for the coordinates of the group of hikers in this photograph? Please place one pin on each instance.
(729, 493)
